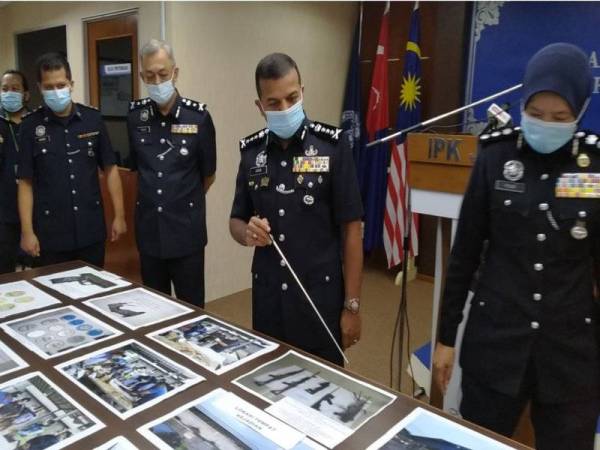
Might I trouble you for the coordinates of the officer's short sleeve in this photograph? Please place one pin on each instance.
(208, 147)
(25, 158)
(242, 202)
(106, 155)
(132, 148)
(347, 202)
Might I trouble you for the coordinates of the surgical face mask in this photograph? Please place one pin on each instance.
(285, 123)
(57, 99)
(546, 137)
(161, 93)
(11, 101)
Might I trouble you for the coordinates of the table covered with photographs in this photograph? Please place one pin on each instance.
(90, 360)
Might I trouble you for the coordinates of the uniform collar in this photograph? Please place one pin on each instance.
(298, 136)
(49, 114)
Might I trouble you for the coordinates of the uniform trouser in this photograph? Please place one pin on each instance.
(558, 426)
(92, 254)
(9, 247)
(186, 273)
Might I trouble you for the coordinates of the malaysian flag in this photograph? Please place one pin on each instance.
(409, 113)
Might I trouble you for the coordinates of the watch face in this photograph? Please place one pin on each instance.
(352, 305)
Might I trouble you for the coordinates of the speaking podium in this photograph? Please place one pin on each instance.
(440, 167)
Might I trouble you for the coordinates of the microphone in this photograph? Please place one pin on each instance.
(498, 117)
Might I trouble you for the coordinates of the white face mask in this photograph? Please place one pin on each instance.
(285, 123)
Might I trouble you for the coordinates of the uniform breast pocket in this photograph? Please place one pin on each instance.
(577, 223)
(44, 156)
(184, 147)
(509, 214)
(311, 188)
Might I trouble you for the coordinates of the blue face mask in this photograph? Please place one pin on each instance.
(11, 101)
(285, 123)
(161, 93)
(57, 99)
(546, 137)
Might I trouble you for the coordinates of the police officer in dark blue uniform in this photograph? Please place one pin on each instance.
(297, 180)
(62, 145)
(172, 141)
(533, 332)
(14, 94)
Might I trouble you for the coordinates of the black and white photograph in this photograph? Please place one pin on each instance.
(137, 308)
(220, 420)
(213, 344)
(298, 386)
(9, 360)
(36, 415)
(128, 377)
(58, 331)
(424, 430)
(20, 296)
(118, 443)
(82, 282)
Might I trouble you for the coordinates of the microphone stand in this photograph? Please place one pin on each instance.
(408, 217)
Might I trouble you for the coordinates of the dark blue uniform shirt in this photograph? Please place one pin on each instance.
(534, 306)
(307, 192)
(173, 154)
(62, 156)
(8, 172)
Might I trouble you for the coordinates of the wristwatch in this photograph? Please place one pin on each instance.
(352, 305)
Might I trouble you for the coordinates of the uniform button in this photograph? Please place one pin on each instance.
(282, 187)
(537, 296)
(142, 140)
(183, 141)
(75, 208)
(541, 237)
(159, 209)
(283, 163)
(68, 145)
(284, 287)
(281, 237)
(66, 131)
(72, 177)
(70, 161)
(255, 276)
(535, 325)
(281, 212)
(90, 143)
(73, 192)
(538, 266)
(582, 214)
(162, 140)
(191, 204)
(282, 263)
(310, 184)
(588, 320)
(544, 176)
(44, 151)
(543, 206)
(327, 278)
(47, 212)
(507, 202)
(481, 303)
(162, 124)
(159, 191)
(161, 157)
(159, 174)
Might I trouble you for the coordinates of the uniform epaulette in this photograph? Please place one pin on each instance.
(588, 140)
(139, 103)
(88, 106)
(327, 131)
(31, 113)
(503, 134)
(253, 139)
(193, 105)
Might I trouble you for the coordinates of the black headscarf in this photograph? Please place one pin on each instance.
(560, 68)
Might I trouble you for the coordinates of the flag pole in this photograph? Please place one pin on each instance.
(443, 116)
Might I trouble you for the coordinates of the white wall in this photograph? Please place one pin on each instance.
(217, 47)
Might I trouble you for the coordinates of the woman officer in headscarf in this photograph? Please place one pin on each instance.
(532, 334)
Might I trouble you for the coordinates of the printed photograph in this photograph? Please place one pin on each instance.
(337, 396)
(82, 282)
(21, 296)
(118, 443)
(221, 420)
(9, 360)
(58, 331)
(213, 344)
(424, 430)
(36, 415)
(128, 377)
(138, 308)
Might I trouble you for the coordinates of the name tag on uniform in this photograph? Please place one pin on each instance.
(258, 170)
(183, 128)
(144, 129)
(578, 185)
(311, 164)
(509, 186)
(88, 135)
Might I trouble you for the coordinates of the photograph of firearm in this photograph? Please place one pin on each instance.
(85, 279)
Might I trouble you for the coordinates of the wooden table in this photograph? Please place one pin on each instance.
(367, 434)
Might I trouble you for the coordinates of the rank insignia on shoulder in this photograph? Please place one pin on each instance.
(311, 164)
(191, 104)
(254, 139)
(182, 128)
(501, 134)
(138, 103)
(327, 131)
(578, 185)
